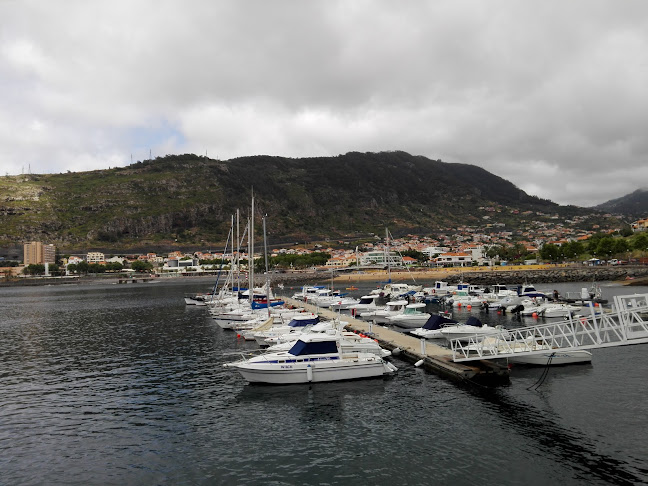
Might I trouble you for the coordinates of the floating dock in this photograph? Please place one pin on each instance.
(430, 356)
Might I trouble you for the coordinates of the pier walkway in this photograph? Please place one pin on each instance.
(626, 324)
(426, 354)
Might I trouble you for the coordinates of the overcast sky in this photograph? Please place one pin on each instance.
(551, 95)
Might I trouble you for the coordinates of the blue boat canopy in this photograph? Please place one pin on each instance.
(316, 347)
(437, 322)
(473, 321)
(264, 305)
(303, 322)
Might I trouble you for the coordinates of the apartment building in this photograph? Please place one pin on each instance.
(37, 252)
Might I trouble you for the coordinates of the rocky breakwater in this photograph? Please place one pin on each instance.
(559, 274)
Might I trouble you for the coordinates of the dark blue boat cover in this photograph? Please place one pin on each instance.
(317, 347)
(473, 321)
(437, 322)
(303, 322)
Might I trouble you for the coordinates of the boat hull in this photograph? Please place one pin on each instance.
(321, 371)
(554, 358)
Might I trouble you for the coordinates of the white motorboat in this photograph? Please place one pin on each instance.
(395, 290)
(554, 357)
(380, 315)
(343, 303)
(296, 325)
(559, 310)
(365, 304)
(413, 316)
(470, 328)
(432, 328)
(440, 288)
(307, 292)
(528, 290)
(463, 298)
(313, 358)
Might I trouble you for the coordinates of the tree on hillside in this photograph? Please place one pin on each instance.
(640, 242)
(572, 249)
(550, 252)
(141, 266)
(34, 269)
(605, 247)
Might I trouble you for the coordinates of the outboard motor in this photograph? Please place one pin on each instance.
(517, 309)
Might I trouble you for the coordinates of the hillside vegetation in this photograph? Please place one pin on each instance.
(633, 205)
(190, 199)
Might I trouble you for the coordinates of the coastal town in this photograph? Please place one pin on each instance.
(465, 246)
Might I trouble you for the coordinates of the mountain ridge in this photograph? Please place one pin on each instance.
(190, 199)
(633, 205)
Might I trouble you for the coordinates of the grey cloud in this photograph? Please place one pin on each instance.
(548, 95)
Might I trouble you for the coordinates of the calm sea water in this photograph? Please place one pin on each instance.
(124, 384)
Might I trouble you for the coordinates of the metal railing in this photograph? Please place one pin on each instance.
(625, 325)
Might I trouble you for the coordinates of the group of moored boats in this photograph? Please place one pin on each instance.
(408, 311)
(297, 346)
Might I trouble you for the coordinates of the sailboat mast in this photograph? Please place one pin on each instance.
(238, 253)
(251, 257)
(387, 255)
(265, 251)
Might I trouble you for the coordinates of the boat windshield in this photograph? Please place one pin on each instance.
(302, 348)
(413, 310)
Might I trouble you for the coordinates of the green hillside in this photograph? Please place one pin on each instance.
(633, 205)
(189, 199)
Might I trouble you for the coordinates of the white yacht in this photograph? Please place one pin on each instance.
(559, 310)
(395, 290)
(380, 315)
(432, 328)
(296, 325)
(313, 358)
(365, 304)
(472, 327)
(412, 316)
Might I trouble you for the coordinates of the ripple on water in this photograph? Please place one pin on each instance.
(107, 385)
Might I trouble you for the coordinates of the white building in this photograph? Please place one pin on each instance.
(95, 257)
(380, 258)
(117, 259)
(454, 260)
(431, 251)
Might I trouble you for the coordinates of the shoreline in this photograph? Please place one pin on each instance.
(509, 275)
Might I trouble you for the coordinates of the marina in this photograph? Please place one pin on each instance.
(107, 384)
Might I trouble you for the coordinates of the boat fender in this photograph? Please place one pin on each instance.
(396, 351)
(309, 373)
(419, 362)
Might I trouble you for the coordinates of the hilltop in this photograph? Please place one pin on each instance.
(633, 205)
(189, 199)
